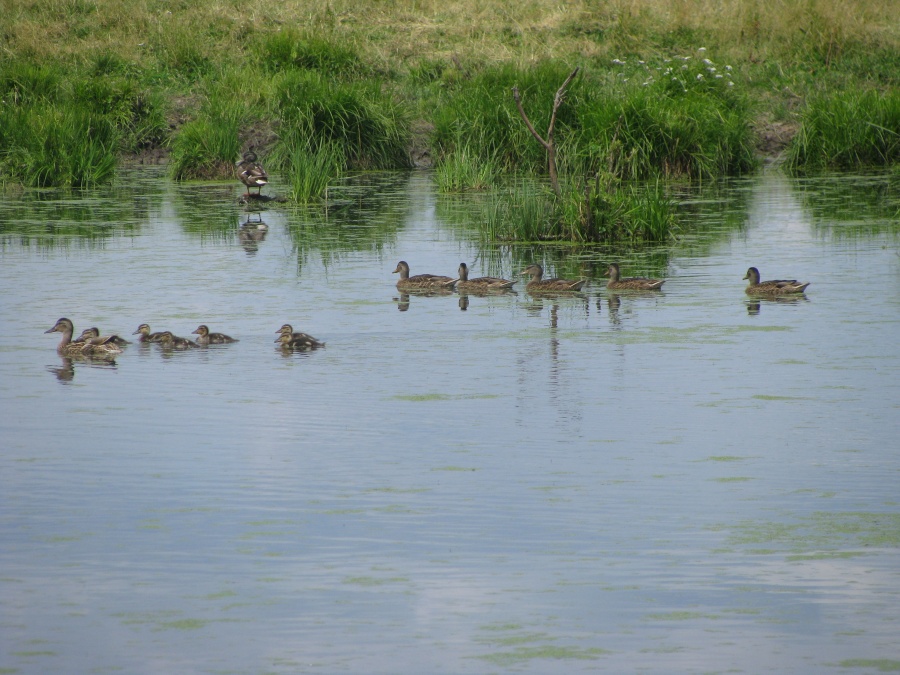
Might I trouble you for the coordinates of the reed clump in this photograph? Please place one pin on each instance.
(603, 210)
(848, 130)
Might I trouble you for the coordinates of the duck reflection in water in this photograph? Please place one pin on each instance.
(754, 305)
(251, 233)
(65, 372)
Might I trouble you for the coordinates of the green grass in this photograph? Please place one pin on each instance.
(848, 130)
(311, 170)
(207, 80)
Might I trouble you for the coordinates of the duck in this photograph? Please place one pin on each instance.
(207, 338)
(480, 284)
(616, 283)
(169, 341)
(540, 285)
(93, 335)
(424, 282)
(251, 173)
(773, 287)
(87, 348)
(288, 339)
(146, 335)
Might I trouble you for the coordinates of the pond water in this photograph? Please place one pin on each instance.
(681, 481)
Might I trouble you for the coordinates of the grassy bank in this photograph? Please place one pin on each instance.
(668, 89)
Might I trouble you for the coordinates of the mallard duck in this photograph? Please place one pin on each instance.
(146, 335)
(630, 283)
(251, 173)
(68, 348)
(421, 281)
(540, 285)
(168, 341)
(207, 338)
(93, 335)
(288, 339)
(774, 287)
(480, 284)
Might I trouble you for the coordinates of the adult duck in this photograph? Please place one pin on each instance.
(773, 287)
(290, 340)
(251, 173)
(67, 347)
(480, 284)
(207, 338)
(423, 282)
(540, 285)
(617, 283)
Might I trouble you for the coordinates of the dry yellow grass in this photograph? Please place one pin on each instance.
(395, 32)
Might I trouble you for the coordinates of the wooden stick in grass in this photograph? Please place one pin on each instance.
(548, 144)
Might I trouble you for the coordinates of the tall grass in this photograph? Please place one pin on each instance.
(311, 170)
(599, 212)
(465, 170)
(208, 146)
(848, 130)
(679, 117)
(363, 119)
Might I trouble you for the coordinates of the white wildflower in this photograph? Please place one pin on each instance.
(718, 77)
(727, 67)
(730, 83)
(710, 70)
(702, 49)
(707, 62)
(699, 76)
(618, 63)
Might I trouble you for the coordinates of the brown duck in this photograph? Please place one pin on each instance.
(616, 283)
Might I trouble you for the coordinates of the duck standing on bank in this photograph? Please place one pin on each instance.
(251, 173)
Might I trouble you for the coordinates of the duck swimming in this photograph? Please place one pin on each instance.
(422, 282)
(169, 341)
(288, 339)
(773, 287)
(616, 283)
(480, 284)
(146, 335)
(539, 284)
(207, 338)
(87, 348)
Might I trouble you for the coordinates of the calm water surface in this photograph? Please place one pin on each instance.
(682, 481)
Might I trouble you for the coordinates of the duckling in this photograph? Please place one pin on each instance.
(207, 338)
(773, 287)
(251, 173)
(146, 335)
(630, 283)
(93, 335)
(168, 341)
(480, 284)
(421, 281)
(539, 285)
(68, 348)
(296, 341)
